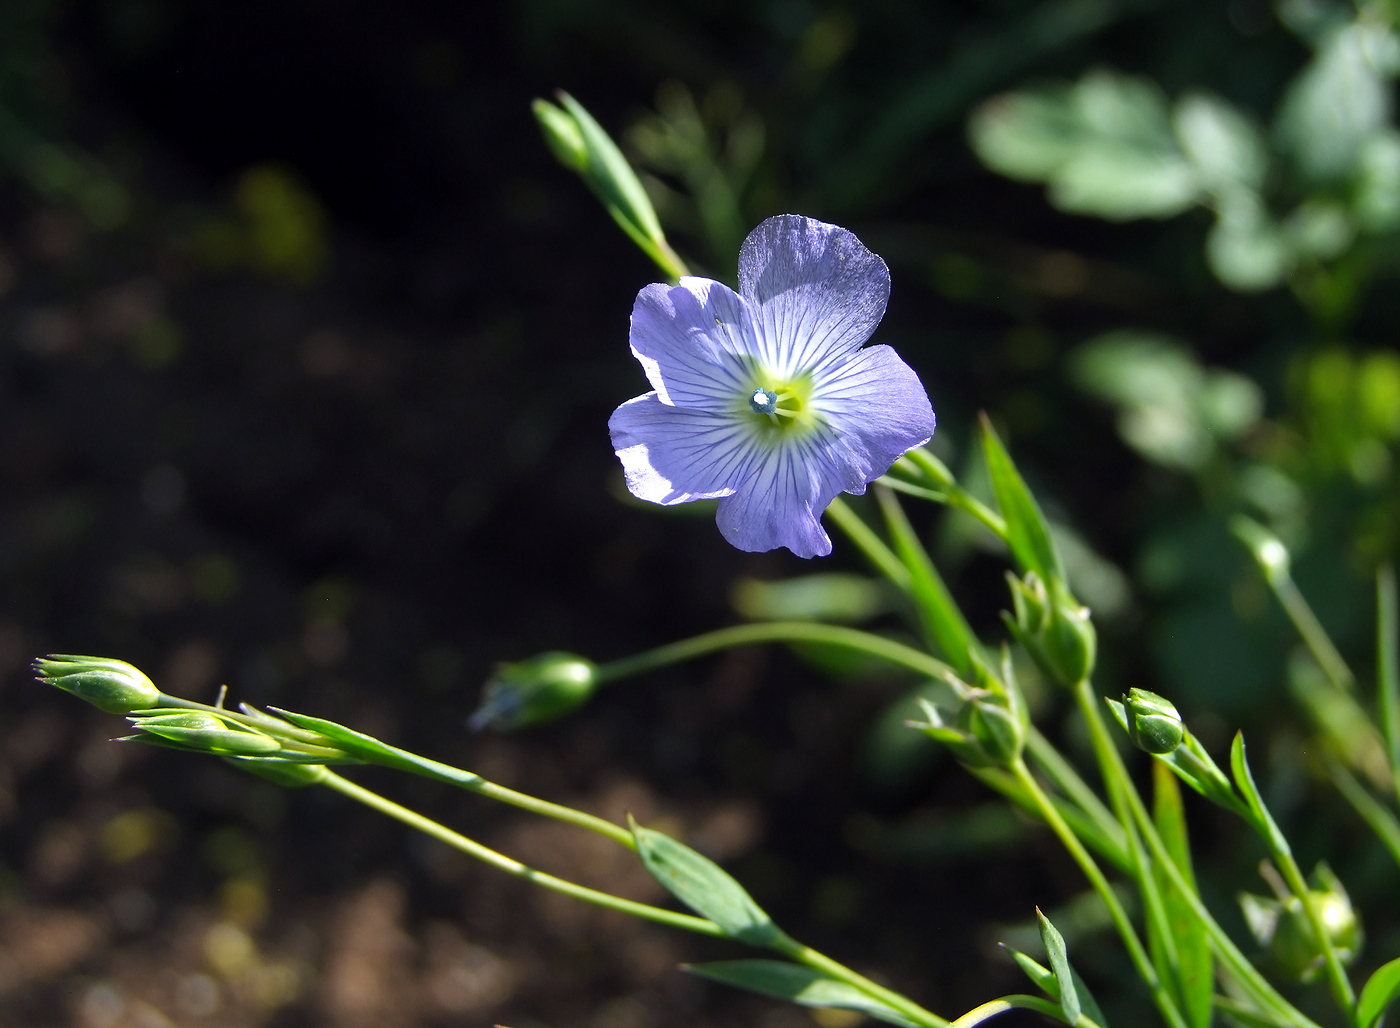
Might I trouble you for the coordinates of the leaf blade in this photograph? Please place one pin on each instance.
(1380, 990)
(794, 983)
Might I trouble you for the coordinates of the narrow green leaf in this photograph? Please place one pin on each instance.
(1380, 990)
(1026, 530)
(704, 886)
(366, 747)
(1194, 968)
(1372, 811)
(1244, 780)
(1044, 980)
(1388, 667)
(1059, 964)
(941, 616)
(796, 984)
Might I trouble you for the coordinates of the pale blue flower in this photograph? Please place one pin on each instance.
(766, 398)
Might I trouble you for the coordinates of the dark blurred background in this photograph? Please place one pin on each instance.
(307, 349)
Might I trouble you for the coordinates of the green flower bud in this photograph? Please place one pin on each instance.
(1154, 725)
(197, 730)
(996, 729)
(533, 691)
(1283, 928)
(1054, 627)
(561, 133)
(112, 685)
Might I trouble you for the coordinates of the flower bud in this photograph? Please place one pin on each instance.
(196, 730)
(112, 685)
(998, 732)
(534, 691)
(1154, 725)
(1054, 627)
(1282, 926)
(561, 133)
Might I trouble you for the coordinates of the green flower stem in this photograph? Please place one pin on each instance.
(776, 631)
(948, 491)
(1110, 848)
(987, 1011)
(501, 862)
(1141, 962)
(1310, 630)
(1337, 980)
(403, 760)
(1111, 766)
(870, 544)
(1064, 775)
(1372, 811)
(820, 962)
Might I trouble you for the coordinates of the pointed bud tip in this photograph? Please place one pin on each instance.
(111, 685)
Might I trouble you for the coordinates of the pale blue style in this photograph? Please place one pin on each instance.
(766, 398)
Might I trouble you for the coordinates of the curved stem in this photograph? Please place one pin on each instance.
(1337, 980)
(776, 631)
(1119, 916)
(987, 1011)
(501, 862)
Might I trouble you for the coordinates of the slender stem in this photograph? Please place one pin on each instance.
(776, 631)
(501, 862)
(475, 783)
(1388, 669)
(991, 1009)
(870, 544)
(1141, 962)
(1110, 848)
(1064, 775)
(1372, 811)
(1337, 980)
(953, 494)
(403, 760)
(1314, 636)
(1111, 764)
(820, 962)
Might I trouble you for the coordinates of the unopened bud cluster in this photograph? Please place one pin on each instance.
(987, 727)
(1282, 927)
(1054, 627)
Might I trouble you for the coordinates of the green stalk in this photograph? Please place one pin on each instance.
(1314, 636)
(1109, 847)
(1372, 811)
(1337, 980)
(501, 862)
(1064, 775)
(776, 631)
(869, 543)
(1141, 962)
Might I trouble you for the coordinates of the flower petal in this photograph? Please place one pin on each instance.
(782, 501)
(694, 341)
(877, 408)
(674, 455)
(817, 293)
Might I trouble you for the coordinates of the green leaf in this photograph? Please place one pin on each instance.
(357, 744)
(1103, 145)
(1244, 781)
(1044, 979)
(612, 176)
(1338, 102)
(704, 886)
(943, 619)
(1026, 530)
(1380, 990)
(796, 984)
(1194, 967)
(1059, 964)
(1225, 146)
